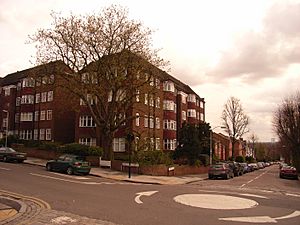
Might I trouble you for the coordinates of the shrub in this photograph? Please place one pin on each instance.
(49, 145)
(152, 158)
(204, 159)
(82, 150)
(240, 159)
(249, 159)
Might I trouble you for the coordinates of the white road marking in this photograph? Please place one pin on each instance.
(2, 168)
(211, 201)
(63, 220)
(256, 196)
(71, 176)
(261, 219)
(294, 195)
(140, 194)
(243, 185)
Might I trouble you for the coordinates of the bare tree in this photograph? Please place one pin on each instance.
(111, 62)
(253, 140)
(235, 120)
(286, 123)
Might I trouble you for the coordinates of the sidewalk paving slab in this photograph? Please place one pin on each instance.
(135, 178)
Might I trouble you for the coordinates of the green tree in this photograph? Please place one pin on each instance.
(193, 142)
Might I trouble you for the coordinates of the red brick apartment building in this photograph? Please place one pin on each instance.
(34, 109)
(38, 111)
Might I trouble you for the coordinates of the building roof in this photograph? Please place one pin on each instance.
(14, 78)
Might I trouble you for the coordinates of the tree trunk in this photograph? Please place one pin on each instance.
(107, 140)
(296, 157)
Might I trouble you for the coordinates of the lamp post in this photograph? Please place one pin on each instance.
(210, 143)
(7, 117)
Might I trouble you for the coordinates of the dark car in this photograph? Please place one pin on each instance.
(288, 172)
(8, 155)
(222, 170)
(237, 168)
(69, 164)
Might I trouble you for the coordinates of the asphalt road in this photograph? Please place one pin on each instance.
(254, 198)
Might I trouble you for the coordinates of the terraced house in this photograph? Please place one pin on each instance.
(36, 109)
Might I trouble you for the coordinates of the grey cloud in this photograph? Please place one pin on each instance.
(258, 55)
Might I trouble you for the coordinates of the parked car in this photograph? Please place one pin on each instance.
(237, 168)
(247, 167)
(8, 155)
(254, 166)
(260, 165)
(69, 164)
(288, 172)
(222, 170)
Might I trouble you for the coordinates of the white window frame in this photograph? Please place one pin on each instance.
(48, 134)
(86, 121)
(44, 97)
(43, 115)
(42, 134)
(50, 96)
(49, 114)
(119, 145)
(137, 119)
(89, 141)
(191, 113)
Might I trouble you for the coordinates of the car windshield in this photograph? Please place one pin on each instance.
(217, 166)
(80, 158)
(9, 150)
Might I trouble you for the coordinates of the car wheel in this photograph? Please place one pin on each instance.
(210, 177)
(20, 161)
(5, 159)
(70, 171)
(48, 167)
(227, 176)
(86, 173)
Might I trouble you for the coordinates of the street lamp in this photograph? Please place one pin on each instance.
(210, 143)
(7, 117)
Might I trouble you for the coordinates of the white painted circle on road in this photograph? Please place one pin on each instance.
(210, 201)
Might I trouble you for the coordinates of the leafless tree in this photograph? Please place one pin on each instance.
(286, 123)
(111, 59)
(253, 140)
(235, 120)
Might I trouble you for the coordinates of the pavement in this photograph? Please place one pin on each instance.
(18, 209)
(135, 178)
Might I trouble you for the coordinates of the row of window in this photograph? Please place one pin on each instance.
(39, 97)
(38, 134)
(38, 115)
(30, 82)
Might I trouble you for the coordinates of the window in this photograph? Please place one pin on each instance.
(42, 134)
(48, 134)
(18, 101)
(137, 97)
(26, 116)
(157, 143)
(88, 141)
(6, 91)
(191, 98)
(169, 86)
(157, 123)
(146, 99)
(151, 100)
(86, 121)
(50, 96)
(169, 105)
(151, 122)
(157, 83)
(43, 115)
(49, 114)
(183, 115)
(27, 99)
(35, 134)
(25, 134)
(151, 81)
(146, 121)
(37, 98)
(44, 97)
(4, 123)
(170, 125)
(137, 119)
(169, 144)
(191, 113)
(119, 144)
(157, 103)
(28, 82)
(198, 115)
(36, 115)
(201, 104)
(202, 116)
(17, 117)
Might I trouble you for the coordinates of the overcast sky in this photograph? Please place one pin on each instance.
(249, 49)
